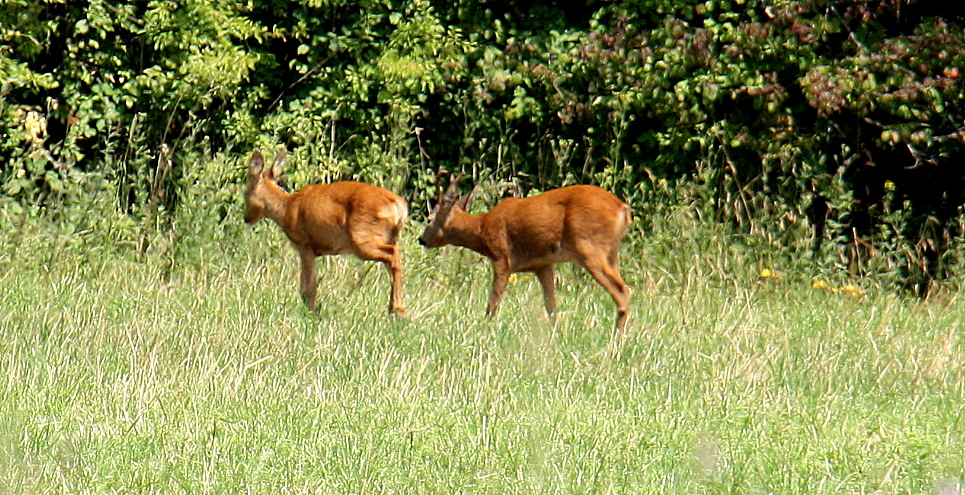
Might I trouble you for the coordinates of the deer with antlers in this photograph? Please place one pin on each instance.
(327, 219)
(582, 224)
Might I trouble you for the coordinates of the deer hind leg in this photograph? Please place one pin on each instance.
(546, 279)
(605, 269)
(390, 256)
(309, 277)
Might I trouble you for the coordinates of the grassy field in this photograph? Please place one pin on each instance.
(198, 371)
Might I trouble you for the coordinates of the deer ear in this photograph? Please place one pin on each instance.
(257, 163)
(466, 201)
(278, 165)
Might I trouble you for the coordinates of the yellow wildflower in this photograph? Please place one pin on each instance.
(768, 273)
(852, 291)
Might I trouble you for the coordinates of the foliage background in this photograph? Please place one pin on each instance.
(823, 135)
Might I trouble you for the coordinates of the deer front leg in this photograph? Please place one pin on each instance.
(500, 279)
(547, 280)
(309, 277)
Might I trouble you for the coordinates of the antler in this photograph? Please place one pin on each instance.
(451, 192)
(439, 184)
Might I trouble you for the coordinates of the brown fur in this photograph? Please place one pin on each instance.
(327, 219)
(582, 224)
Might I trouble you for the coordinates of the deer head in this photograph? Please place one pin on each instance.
(261, 195)
(435, 233)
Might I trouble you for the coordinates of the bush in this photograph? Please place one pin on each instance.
(820, 126)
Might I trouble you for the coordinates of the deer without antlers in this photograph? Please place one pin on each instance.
(583, 224)
(326, 219)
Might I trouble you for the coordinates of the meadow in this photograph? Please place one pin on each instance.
(196, 369)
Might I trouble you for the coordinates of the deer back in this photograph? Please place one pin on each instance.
(334, 218)
(534, 231)
(546, 228)
(324, 218)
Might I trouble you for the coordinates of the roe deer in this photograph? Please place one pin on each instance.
(576, 223)
(325, 219)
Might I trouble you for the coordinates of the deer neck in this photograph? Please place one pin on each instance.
(465, 230)
(276, 203)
